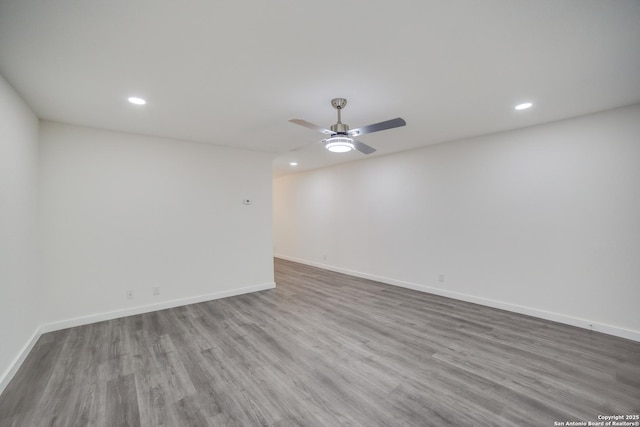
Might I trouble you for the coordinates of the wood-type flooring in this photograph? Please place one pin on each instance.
(324, 349)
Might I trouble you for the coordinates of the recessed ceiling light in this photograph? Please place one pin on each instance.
(293, 163)
(524, 106)
(136, 100)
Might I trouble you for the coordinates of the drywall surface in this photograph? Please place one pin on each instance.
(18, 233)
(543, 220)
(122, 212)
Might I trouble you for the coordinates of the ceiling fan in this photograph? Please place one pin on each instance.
(341, 139)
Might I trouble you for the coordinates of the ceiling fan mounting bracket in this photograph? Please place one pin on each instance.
(339, 103)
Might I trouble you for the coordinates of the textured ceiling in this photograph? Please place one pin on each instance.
(233, 73)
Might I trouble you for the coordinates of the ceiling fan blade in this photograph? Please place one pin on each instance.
(376, 127)
(311, 126)
(363, 148)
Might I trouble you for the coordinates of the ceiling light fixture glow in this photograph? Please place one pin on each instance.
(523, 106)
(339, 144)
(136, 100)
(293, 164)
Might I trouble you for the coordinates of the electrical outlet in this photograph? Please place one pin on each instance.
(441, 277)
(129, 294)
(156, 290)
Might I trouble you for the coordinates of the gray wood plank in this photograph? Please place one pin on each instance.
(122, 402)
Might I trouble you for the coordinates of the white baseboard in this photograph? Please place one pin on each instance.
(99, 317)
(85, 320)
(529, 311)
(7, 375)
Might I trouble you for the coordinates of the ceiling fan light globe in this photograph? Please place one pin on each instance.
(339, 144)
(339, 148)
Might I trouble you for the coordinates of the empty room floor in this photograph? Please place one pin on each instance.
(324, 349)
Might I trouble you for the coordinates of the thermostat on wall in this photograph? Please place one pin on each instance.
(246, 201)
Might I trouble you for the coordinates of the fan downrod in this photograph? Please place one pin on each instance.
(339, 127)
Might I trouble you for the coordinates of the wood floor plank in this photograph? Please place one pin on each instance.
(122, 404)
(324, 349)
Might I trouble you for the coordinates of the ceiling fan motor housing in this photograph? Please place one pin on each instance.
(340, 128)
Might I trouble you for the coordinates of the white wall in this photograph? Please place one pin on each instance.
(18, 235)
(121, 212)
(543, 220)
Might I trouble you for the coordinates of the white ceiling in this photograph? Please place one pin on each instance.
(234, 72)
